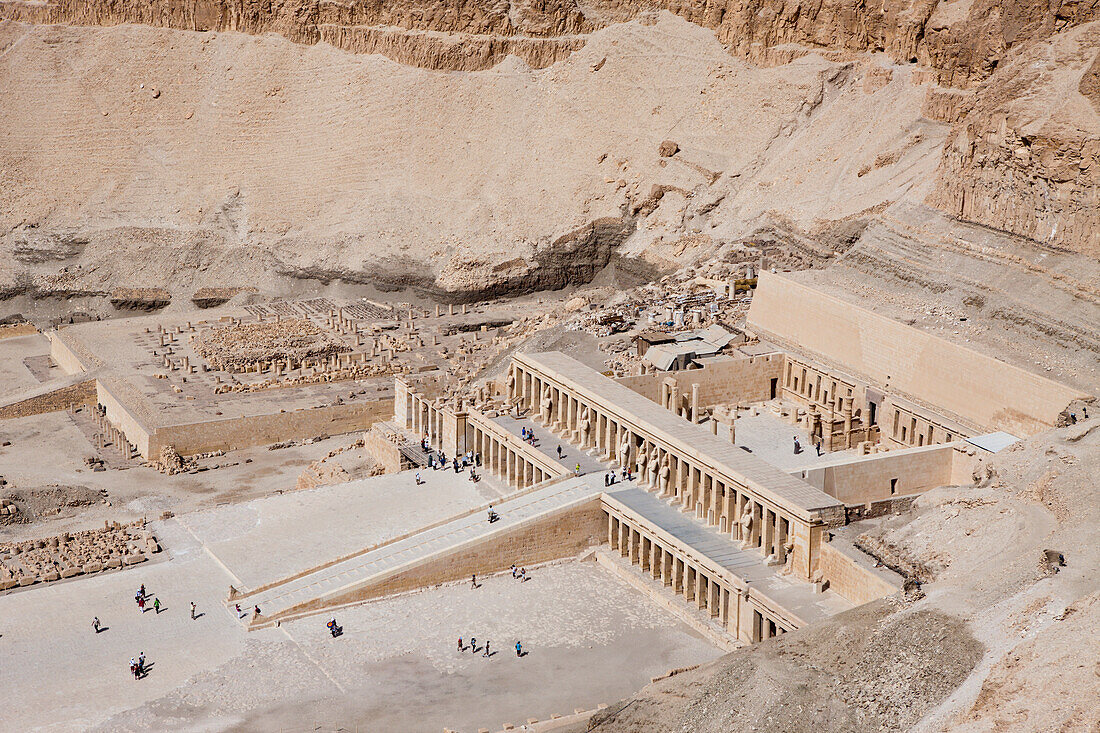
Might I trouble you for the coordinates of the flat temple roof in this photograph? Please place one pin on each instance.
(689, 439)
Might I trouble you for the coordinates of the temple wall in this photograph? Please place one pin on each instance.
(893, 473)
(988, 393)
(245, 432)
(744, 380)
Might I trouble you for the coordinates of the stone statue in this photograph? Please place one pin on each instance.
(586, 427)
(651, 470)
(624, 453)
(547, 405)
(511, 384)
(639, 461)
(746, 525)
(666, 473)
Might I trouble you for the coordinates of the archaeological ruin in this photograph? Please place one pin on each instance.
(558, 367)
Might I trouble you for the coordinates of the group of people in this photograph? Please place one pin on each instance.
(137, 666)
(438, 460)
(609, 478)
(528, 436)
(334, 628)
(519, 573)
(485, 652)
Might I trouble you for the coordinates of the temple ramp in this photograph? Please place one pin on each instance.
(547, 523)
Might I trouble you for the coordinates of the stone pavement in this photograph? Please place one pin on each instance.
(772, 439)
(375, 564)
(548, 444)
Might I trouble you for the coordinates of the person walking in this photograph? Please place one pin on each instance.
(473, 644)
(513, 570)
(240, 613)
(256, 609)
(460, 647)
(141, 603)
(519, 649)
(133, 667)
(95, 624)
(559, 452)
(473, 581)
(577, 470)
(486, 654)
(156, 605)
(418, 479)
(192, 610)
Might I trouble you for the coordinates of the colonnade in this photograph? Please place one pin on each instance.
(594, 415)
(733, 607)
(507, 456)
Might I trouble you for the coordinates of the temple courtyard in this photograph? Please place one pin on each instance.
(589, 637)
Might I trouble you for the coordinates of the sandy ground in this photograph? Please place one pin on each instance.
(591, 639)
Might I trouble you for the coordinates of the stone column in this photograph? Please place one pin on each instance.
(623, 538)
(666, 568)
(724, 608)
(695, 403)
(677, 574)
(655, 554)
(634, 541)
(611, 538)
(700, 590)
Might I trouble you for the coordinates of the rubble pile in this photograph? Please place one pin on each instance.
(78, 553)
(238, 347)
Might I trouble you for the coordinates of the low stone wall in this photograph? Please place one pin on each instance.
(384, 451)
(81, 393)
(11, 330)
(848, 577)
(549, 537)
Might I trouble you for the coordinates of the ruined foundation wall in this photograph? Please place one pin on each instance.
(123, 419)
(988, 393)
(59, 399)
(851, 579)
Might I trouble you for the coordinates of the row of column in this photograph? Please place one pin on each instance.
(730, 606)
(425, 419)
(499, 458)
(719, 503)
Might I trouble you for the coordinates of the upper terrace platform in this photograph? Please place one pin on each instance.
(645, 417)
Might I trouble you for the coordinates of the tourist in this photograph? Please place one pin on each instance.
(523, 575)
(431, 461)
(334, 628)
(457, 469)
(141, 590)
(486, 654)
(513, 570)
(473, 581)
(559, 452)
(605, 483)
(240, 613)
(156, 605)
(95, 623)
(577, 470)
(418, 479)
(133, 667)
(256, 609)
(192, 610)
(493, 516)
(797, 446)
(141, 603)
(519, 649)
(477, 459)
(473, 644)
(460, 646)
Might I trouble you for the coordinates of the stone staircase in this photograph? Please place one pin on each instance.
(424, 557)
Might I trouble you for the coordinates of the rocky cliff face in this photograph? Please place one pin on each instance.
(1011, 116)
(1026, 156)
